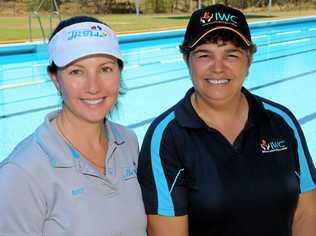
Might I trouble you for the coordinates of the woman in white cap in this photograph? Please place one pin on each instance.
(76, 174)
(223, 161)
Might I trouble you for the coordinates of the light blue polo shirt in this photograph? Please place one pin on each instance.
(47, 188)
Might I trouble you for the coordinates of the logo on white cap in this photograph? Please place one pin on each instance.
(82, 39)
(93, 31)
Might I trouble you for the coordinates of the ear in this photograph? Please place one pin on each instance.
(55, 79)
(186, 59)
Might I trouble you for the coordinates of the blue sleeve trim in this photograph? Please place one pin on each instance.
(306, 180)
(163, 194)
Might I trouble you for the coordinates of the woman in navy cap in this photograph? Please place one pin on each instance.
(223, 161)
(76, 174)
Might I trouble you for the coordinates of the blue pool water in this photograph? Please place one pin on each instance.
(284, 70)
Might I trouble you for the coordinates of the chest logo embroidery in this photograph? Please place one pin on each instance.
(129, 172)
(272, 146)
(77, 191)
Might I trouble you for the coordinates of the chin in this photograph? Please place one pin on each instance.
(94, 120)
(93, 117)
(218, 96)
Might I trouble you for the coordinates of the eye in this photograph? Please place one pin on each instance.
(75, 72)
(106, 69)
(233, 54)
(203, 55)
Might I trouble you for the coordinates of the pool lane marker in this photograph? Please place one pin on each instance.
(171, 60)
(259, 36)
(25, 84)
(289, 42)
(289, 32)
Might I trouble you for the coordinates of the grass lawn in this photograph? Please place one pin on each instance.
(17, 29)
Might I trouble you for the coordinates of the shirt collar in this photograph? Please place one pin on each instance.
(186, 116)
(257, 113)
(59, 152)
(113, 134)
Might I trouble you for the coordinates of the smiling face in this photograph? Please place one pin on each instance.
(218, 71)
(89, 87)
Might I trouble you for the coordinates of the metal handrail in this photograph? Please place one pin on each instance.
(53, 13)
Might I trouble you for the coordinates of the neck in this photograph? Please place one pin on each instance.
(89, 139)
(222, 112)
(80, 132)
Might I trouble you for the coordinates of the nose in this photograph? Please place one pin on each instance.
(92, 83)
(218, 65)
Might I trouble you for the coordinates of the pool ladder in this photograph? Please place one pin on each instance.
(53, 13)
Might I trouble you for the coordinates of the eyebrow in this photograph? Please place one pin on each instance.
(235, 50)
(230, 50)
(201, 51)
(101, 64)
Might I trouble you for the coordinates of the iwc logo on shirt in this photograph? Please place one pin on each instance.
(272, 146)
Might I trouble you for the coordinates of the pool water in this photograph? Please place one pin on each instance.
(284, 70)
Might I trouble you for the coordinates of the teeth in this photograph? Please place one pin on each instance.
(92, 102)
(215, 81)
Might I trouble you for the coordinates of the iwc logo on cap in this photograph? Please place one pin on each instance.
(206, 17)
(218, 17)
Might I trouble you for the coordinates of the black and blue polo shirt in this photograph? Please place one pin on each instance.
(248, 188)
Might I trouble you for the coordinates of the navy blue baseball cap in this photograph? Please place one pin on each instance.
(212, 18)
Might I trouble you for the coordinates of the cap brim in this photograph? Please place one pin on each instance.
(247, 42)
(64, 60)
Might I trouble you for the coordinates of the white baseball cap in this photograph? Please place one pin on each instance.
(82, 39)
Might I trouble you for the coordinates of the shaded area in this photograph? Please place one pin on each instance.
(254, 16)
(186, 17)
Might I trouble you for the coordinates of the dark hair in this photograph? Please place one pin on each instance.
(221, 35)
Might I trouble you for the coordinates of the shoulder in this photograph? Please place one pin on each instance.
(27, 157)
(278, 112)
(163, 124)
(27, 154)
(25, 166)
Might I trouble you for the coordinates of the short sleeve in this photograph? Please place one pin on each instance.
(161, 174)
(307, 172)
(21, 203)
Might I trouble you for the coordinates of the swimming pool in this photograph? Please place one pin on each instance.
(284, 70)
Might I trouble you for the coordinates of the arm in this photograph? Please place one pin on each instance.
(166, 226)
(21, 204)
(304, 223)
(162, 178)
